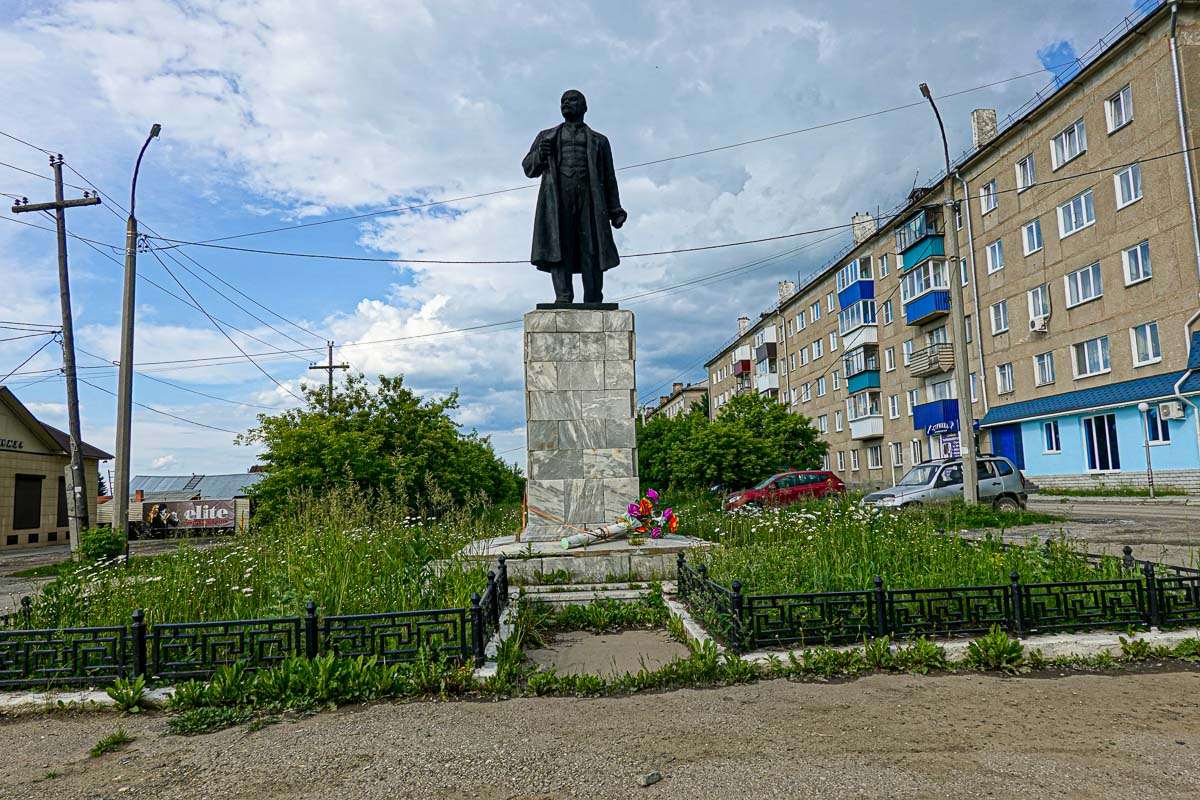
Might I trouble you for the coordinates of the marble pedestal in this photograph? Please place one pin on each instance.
(580, 401)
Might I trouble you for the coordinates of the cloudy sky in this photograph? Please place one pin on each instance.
(278, 113)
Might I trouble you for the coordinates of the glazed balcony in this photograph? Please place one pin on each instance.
(931, 360)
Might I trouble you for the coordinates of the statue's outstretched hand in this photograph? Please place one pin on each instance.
(545, 149)
(618, 217)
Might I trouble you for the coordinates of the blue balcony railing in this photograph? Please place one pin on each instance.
(926, 307)
(868, 379)
(859, 290)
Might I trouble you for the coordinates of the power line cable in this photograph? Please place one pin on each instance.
(47, 343)
(160, 411)
(222, 330)
(27, 144)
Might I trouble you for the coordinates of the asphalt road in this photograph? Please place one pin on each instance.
(1167, 530)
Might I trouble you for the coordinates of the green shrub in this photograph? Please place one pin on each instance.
(995, 651)
(100, 544)
(921, 655)
(188, 695)
(127, 694)
(1134, 649)
(878, 653)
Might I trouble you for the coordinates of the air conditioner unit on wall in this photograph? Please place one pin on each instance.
(1039, 324)
(1172, 409)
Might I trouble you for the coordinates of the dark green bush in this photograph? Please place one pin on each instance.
(96, 544)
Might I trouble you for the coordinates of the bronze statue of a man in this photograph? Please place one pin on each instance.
(577, 203)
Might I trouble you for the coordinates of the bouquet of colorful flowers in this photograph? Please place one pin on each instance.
(641, 519)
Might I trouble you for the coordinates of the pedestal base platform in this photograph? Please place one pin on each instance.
(603, 562)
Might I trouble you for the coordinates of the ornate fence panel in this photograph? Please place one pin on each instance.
(1178, 600)
(1083, 604)
(957, 610)
(33, 658)
(719, 609)
(197, 649)
(811, 619)
(398, 636)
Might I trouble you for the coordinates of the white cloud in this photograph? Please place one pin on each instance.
(162, 462)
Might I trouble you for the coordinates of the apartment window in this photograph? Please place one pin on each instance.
(893, 406)
(995, 256)
(1128, 183)
(930, 276)
(837, 379)
(883, 265)
(854, 461)
(1039, 302)
(897, 449)
(957, 216)
(1118, 109)
(789, 327)
(974, 387)
(1068, 145)
(1144, 341)
(805, 392)
(818, 348)
(916, 451)
(875, 456)
(912, 397)
(988, 199)
(889, 359)
(999, 317)
(802, 321)
(1025, 176)
(1031, 236)
(937, 336)
(1091, 357)
(887, 313)
(829, 302)
(792, 358)
(1043, 369)
(970, 327)
(1076, 214)
(841, 459)
(823, 423)
(1004, 378)
(837, 425)
(804, 356)
(907, 350)
(825, 462)
(832, 341)
(1157, 430)
(1136, 263)
(856, 316)
(1084, 285)
(27, 502)
(1100, 441)
(1050, 436)
(821, 386)
(963, 273)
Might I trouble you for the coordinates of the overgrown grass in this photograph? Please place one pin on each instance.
(830, 546)
(1111, 491)
(347, 552)
(114, 741)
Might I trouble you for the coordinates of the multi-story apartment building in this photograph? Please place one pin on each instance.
(680, 400)
(1080, 279)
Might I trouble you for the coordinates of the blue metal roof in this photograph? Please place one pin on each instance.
(208, 486)
(1114, 394)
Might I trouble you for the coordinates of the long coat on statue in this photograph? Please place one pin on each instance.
(547, 247)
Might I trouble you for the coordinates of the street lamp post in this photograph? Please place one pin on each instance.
(1143, 408)
(120, 488)
(962, 378)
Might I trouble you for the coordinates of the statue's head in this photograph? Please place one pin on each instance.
(573, 105)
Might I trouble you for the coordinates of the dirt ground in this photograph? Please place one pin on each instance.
(583, 653)
(1158, 532)
(1080, 736)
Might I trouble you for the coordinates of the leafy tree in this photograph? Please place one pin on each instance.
(752, 437)
(101, 485)
(661, 436)
(376, 440)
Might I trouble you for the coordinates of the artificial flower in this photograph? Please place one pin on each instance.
(666, 515)
(645, 507)
(653, 495)
(656, 533)
(641, 529)
(633, 509)
(673, 525)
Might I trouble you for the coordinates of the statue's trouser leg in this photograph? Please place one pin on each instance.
(564, 292)
(593, 284)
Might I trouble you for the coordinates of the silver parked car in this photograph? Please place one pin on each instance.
(1000, 483)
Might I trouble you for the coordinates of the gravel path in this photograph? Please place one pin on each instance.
(1081, 736)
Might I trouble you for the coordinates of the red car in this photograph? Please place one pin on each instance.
(786, 488)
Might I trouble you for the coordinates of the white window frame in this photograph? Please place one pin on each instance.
(1041, 308)
(995, 256)
(897, 449)
(915, 447)
(1158, 430)
(1074, 279)
(1153, 344)
(829, 301)
(894, 406)
(1051, 434)
(1145, 270)
(907, 351)
(989, 200)
(1002, 305)
(1026, 173)
(814, 311)
(889, 359)
(854, 460)
(974, 382)
(1134, 174)
(805, 392)
(910, 398)
(1122, 100)
(887, 312)
(1005, 378)
(838, 426)
(1079, 129)
(821, 390)
(883, 265)
(841, 459)
(818, 348)
(1043, 368)
(1087, 202)
(837, 379)
(875, 456)
(1102, 350)
(1035, 226)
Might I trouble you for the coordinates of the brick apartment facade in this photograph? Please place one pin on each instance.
(1080, 278)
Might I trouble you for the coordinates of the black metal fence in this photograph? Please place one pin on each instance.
(1141, 597)
(35, 658)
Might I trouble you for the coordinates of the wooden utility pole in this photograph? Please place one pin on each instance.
(329, 367)
(77, 497)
